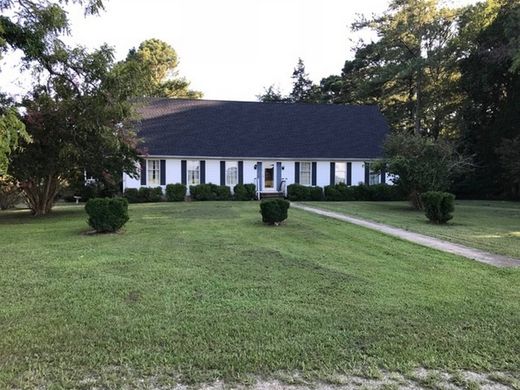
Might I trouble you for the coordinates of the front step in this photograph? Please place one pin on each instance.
(271, 195)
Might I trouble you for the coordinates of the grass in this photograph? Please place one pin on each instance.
(196, 291)
(489, 225)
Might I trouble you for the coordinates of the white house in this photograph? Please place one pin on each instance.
(269, 144)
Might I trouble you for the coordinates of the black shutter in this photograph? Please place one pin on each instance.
(202, 172)
(143, 172)
(349, 173)
(367, 173)
(314, 169)
(183, 172)
(332, 173)
(383, 176)
(163, 172)
(240, 172)
(222, 173)
(297, 172)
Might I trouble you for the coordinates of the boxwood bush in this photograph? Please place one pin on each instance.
(210, 191)
(274, 211)
(223, 193)
(376, 192)
(175, 192)
(107, 214)
(244, 192)
(438, 206)
(298, 192)
(143, 194)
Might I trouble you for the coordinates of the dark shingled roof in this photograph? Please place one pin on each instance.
(206, 128)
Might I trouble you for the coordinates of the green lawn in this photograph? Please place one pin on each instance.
(489, 225)
(196, 291)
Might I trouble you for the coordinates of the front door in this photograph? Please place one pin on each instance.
(269, 177)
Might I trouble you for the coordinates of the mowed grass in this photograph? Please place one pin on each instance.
(493, 226)
(196, 291)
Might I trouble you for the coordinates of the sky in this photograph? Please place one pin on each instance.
(228, 49)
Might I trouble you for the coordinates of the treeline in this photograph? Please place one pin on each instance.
(442, 73)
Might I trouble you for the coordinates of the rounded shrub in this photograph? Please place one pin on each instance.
(107, 214)
(438, 206)
(175, 192)
(222, 193)
(244, 192)
(132, 195)
(274, 211)
(297, 192)
(316, 193)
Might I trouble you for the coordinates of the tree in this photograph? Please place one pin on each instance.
(153, 69)
(79, 120)
(509, 157)
(491, 84)
(272, 95)
(421, 164)
(32, 27)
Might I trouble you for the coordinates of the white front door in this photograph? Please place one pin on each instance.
(269, 176)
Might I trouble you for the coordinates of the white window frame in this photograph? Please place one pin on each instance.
(340, 175)
(306, 173)
(231, 172)
(193, 172)
(153, 173)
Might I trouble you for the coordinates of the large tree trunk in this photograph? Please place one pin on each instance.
(40, 194)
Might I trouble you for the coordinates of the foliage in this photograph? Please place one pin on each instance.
(420, 164)
(438, 206)
(304, 91)
(12, 131)
(153, 69)
(87, 109)
(274, 211)
(175, 192)
(316, 193)
(143, 194)
(298, 192)
(10, 193)
(490, 112)
(203, 192)
(222, 193)
(509, 155)
(377, 193)
(107, 214)
(244, 192)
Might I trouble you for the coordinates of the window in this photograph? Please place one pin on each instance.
(231, 173)
(193, 172)
(375, 178)
(341, 173)
(305, 173)
(154, 172)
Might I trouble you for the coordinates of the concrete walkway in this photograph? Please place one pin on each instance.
(421, 239)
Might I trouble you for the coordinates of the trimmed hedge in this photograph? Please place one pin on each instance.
(107, 214)
(438, 206)
(210, 191)
(175, 192)
(244, 192)
(298, 192)
(362, 192)
(274, 211)
(143, 194)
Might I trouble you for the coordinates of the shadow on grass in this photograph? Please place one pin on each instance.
(17, 216)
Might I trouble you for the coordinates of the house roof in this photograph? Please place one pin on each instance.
(210, 128)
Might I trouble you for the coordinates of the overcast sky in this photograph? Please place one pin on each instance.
(228, 49)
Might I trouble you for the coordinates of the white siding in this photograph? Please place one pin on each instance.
(173, 172)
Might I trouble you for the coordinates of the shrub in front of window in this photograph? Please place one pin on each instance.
(203, 192)
(316, 193)
(298, 192)
(223, 193)
(132, 195)
(175, 192)
(149, 194)
(274, 211)
(339, 192)
(107, 214)
(438, 206)
(244, 192)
